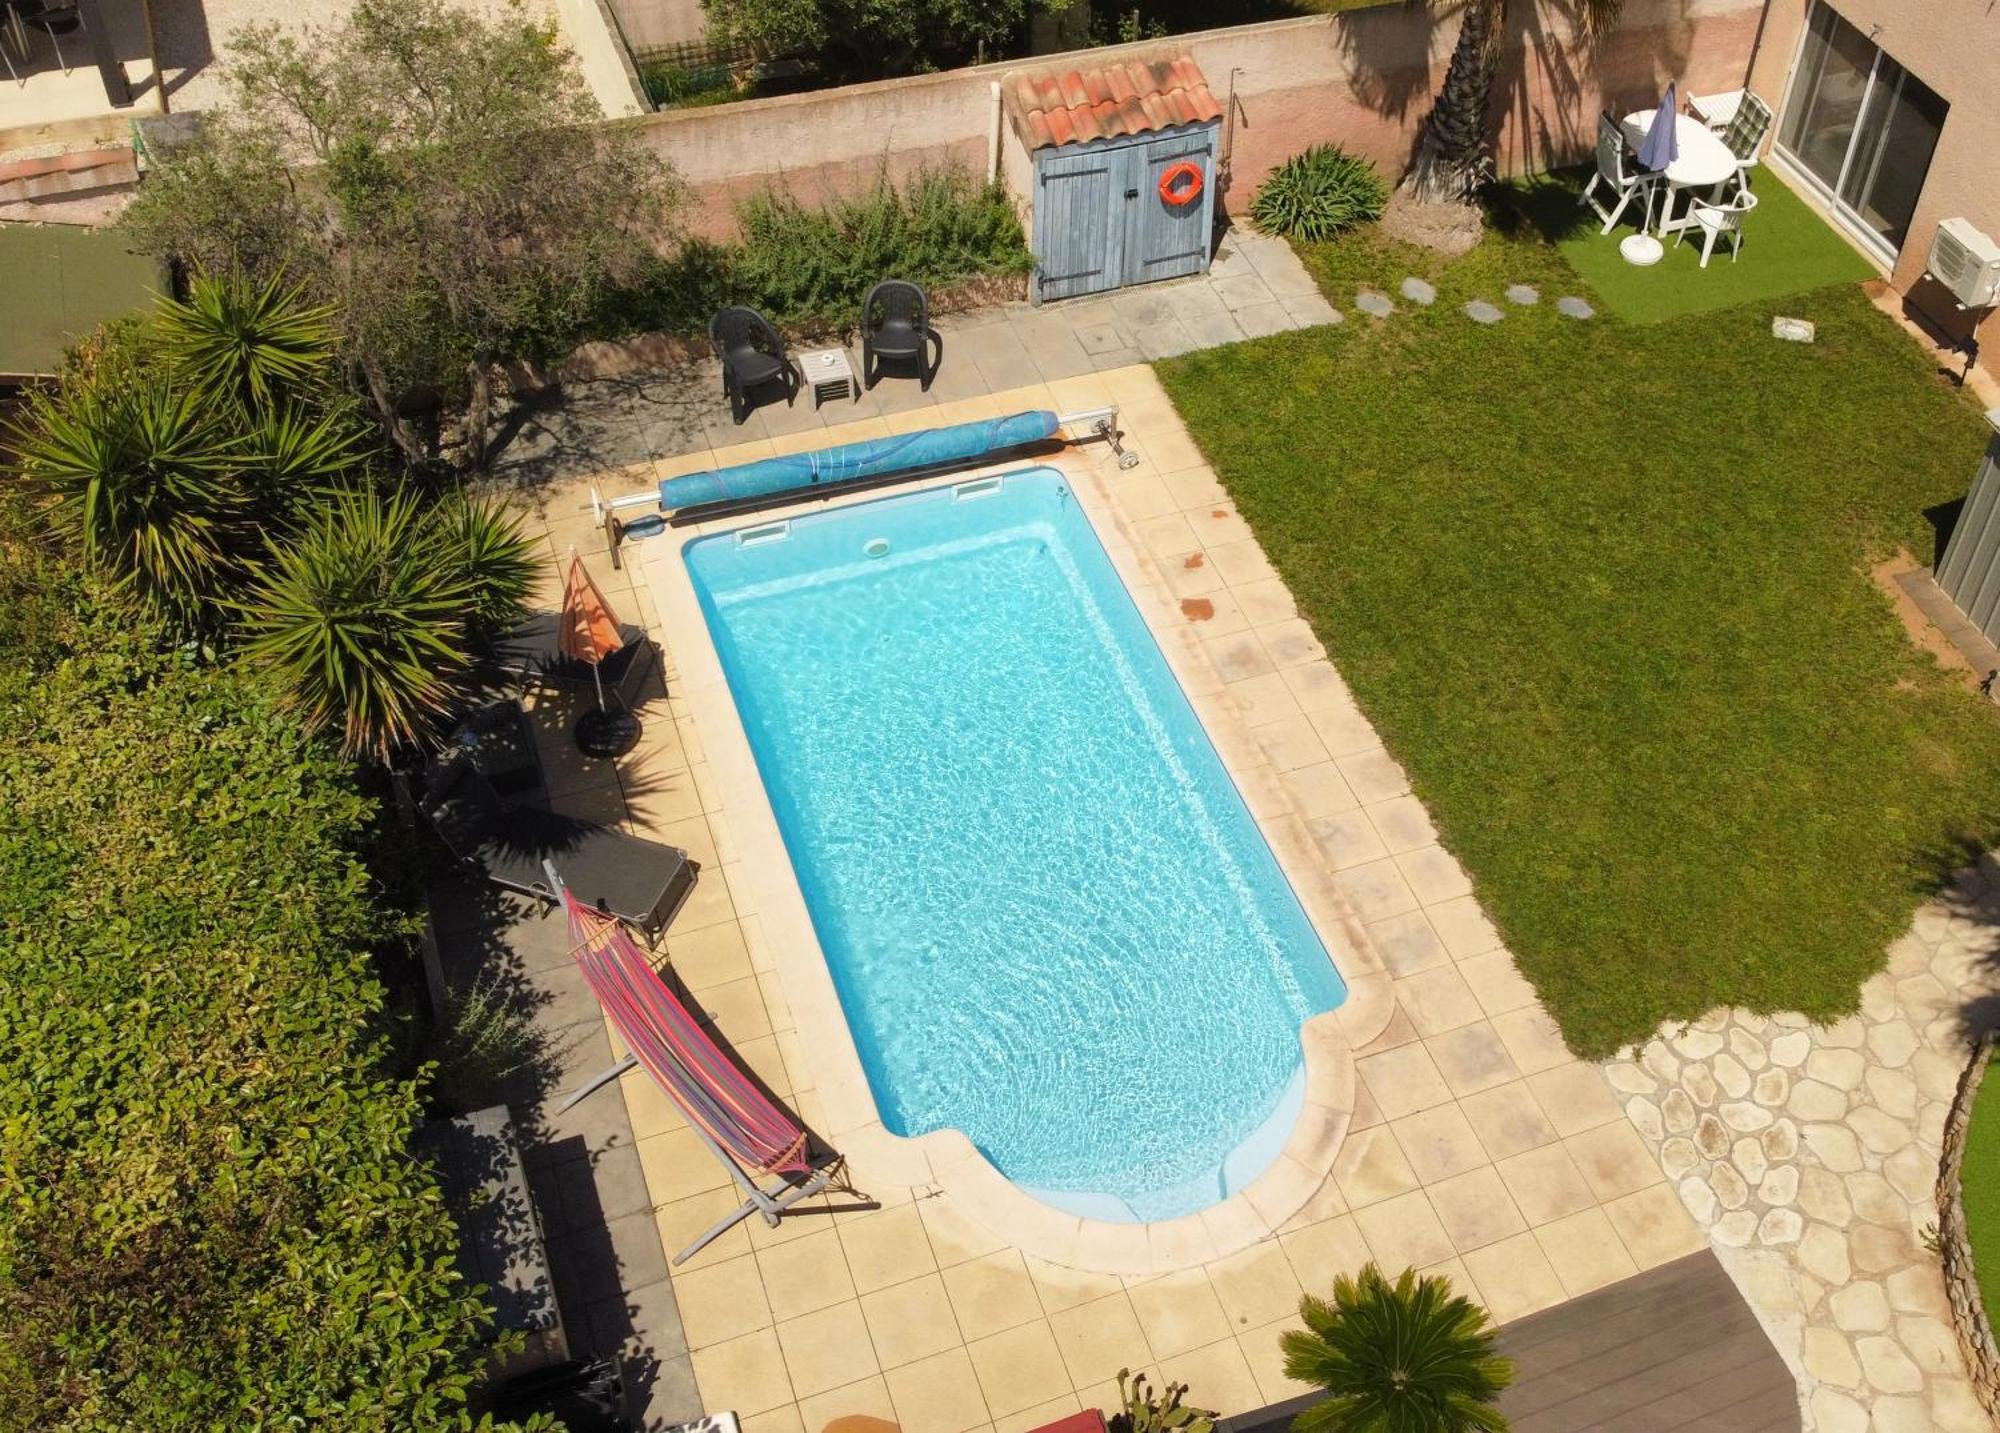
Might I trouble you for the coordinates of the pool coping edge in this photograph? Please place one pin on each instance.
(947, 1159)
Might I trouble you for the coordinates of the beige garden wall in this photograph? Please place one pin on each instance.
(1954, 48)
(1362, 79)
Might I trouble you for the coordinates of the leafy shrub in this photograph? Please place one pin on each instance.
(806, 265)
(673, 85)
(211, 1218)
(1317, 194)
(799, 264)
(485, 1040)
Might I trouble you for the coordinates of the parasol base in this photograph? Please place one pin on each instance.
(1641, 249)
(605, 734)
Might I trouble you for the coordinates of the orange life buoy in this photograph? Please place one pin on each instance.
(1174, 175)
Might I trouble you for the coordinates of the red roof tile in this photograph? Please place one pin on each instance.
(1130, 96)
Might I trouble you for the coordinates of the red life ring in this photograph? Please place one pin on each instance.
(1174, 175)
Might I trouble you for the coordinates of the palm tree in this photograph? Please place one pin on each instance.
(144, 482)
(1407, 1357)
(1454, 153)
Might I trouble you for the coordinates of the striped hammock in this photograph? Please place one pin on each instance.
(711, 1091)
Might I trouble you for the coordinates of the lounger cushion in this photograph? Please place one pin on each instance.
(641, 882)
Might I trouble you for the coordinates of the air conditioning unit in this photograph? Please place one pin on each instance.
(1966, 262)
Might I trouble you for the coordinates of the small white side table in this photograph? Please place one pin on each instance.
(827, 371)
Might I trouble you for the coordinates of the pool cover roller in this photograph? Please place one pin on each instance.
(870, 458)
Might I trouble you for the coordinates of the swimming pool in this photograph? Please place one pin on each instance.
(1051, 920)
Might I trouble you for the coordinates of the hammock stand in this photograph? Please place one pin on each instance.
(738, 1122)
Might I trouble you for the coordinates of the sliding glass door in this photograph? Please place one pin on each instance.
(1861, 127)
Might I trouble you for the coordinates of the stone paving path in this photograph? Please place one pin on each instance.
(1809, 1154)
(1377, 304)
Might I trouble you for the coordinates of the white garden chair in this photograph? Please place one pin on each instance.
(1625, 184)
(1716, 217)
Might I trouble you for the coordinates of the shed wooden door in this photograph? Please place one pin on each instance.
(1078, 247)
(1162, 240)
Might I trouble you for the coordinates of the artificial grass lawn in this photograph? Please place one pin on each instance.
(1601, 588)
(1787, 249)
(1979, 1184)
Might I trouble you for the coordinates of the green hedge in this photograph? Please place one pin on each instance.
(806, 266)
(208, 1218)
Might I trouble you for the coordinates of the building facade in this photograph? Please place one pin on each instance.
(1889, 116)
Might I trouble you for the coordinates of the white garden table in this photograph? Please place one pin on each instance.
(1705, 162)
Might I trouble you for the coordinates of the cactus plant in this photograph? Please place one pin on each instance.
(1143, 1412)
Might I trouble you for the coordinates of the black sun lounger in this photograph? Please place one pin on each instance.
(640, 882)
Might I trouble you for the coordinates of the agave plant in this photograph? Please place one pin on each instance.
(360, 618)
(1407, 1357)
(144, 485)
(254, 345)
(496, 558)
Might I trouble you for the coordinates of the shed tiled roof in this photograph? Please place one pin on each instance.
(1130, 96)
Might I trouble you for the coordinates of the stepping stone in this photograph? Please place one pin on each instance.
(1575, 308)
(1480, 311)
(1374, 304)
(1419, 292)
(1523, 294)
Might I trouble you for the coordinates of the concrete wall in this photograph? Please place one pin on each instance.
(653, 24)
(601, 57)
(1363, 79)
(1955, 49)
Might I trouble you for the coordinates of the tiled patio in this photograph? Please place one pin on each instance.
(1477, 1145)
(1257, 286)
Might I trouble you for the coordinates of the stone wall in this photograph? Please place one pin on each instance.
(1968, 1310)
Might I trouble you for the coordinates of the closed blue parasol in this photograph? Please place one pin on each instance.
(1661, 146)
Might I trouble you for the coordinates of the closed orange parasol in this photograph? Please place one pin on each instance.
(588, 632)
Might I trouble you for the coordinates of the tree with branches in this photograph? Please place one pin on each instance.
(446, 183)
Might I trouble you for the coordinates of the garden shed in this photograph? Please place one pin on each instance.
(1969, 570)
(1119, 171)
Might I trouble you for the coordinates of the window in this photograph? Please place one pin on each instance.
(1861, 127)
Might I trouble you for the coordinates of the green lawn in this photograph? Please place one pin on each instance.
(1979, 1181)
(1787, 249)
(1601, 587)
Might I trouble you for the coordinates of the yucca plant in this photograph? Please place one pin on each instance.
(295, 455)
(360, 619)
(253, 344)
(1407, 1357)
(1317, 194)
(144, 484)
(496, 558)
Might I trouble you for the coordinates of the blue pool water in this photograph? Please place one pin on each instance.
(1052, 922)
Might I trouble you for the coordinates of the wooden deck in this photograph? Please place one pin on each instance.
(1676, 1348)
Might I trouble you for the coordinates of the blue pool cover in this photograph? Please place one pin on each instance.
(870, 458)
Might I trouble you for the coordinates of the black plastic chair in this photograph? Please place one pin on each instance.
(895, 325)
(753, 357)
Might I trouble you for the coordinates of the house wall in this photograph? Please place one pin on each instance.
(1362, 79)
(1955, 49)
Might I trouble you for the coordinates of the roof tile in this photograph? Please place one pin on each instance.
(1130, 96)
